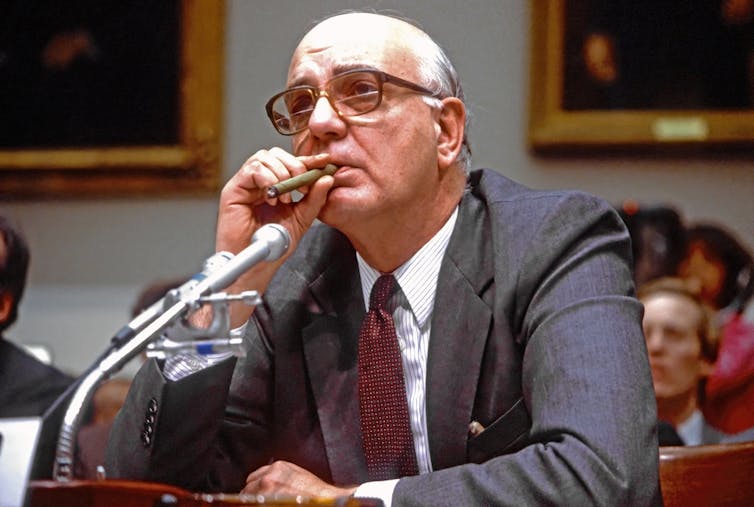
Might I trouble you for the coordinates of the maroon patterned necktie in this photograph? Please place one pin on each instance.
(385, 426)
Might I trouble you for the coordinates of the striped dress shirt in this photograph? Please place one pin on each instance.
(411, 307)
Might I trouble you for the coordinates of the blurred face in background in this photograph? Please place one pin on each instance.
(671, 329)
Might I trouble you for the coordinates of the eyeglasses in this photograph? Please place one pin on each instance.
(351, 93)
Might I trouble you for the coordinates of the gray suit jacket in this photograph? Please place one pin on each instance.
(535, 334)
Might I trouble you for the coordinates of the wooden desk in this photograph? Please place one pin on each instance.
(117, 493)
(707, 475)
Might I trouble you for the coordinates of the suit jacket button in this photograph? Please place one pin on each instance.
(146, 439)
(152, 406)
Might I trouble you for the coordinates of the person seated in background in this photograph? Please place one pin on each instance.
(725, 271)
(28, 387)
(682, 344)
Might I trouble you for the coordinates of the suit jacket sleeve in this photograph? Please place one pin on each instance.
(166, 430)
(566, 288)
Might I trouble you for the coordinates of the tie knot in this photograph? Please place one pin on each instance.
(381, 291)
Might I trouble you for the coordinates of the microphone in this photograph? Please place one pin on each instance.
(150, 313)
(269, 243)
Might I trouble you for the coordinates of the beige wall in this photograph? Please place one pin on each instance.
(91, 257)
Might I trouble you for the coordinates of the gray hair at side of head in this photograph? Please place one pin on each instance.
(440, 76)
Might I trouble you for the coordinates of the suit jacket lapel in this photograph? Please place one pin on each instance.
(460, 324)
(331, 353)
(331, 349)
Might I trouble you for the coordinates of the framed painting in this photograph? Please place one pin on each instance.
(644, 74)
(107, 98)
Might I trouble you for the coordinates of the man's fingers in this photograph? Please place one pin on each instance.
(310, 206)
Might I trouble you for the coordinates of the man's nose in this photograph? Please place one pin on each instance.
(654, 341)
(323, 111)
(325, 122)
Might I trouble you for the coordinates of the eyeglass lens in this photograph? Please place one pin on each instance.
(349, 94)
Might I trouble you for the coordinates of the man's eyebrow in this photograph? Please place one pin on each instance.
(345, 67)
(336, 70)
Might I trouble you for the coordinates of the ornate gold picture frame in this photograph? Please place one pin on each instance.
(554, 125)
(186, 163)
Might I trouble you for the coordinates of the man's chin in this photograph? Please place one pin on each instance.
(343, 201)
(342, 212)
(670, 394)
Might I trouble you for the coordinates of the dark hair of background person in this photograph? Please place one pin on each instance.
(154, 292)
(738, 286)
(14, 264)
(657, 239)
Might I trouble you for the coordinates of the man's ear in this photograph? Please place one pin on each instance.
(451, 126)
(6, 303)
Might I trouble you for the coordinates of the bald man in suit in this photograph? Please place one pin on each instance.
(524, 364)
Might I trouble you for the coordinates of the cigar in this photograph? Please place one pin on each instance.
(301, 180)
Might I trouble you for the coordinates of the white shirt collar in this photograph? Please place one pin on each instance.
(691, 430)
(417, 277)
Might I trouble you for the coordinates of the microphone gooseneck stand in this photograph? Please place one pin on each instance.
(268, 244)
